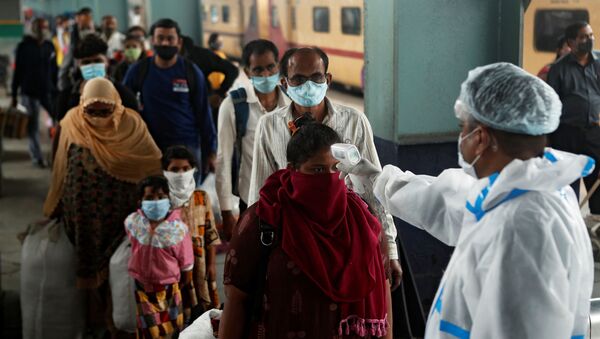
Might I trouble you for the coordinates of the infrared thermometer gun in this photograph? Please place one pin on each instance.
(349, 155)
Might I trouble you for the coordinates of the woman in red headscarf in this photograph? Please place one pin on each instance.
(306, 261)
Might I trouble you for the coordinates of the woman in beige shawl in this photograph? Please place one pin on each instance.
(103, 150)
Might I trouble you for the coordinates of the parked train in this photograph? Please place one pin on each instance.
(546, 20)
(337, 26)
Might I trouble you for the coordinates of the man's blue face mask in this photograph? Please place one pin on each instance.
(265, 84)
(91, 71)
(309, 94)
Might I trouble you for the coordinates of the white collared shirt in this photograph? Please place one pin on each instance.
(227, 136)
(272, 136)
(115, 43)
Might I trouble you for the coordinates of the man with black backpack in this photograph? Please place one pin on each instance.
(238, 116)
(173, 96)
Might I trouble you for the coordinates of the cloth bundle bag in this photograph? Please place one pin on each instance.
(52, 307)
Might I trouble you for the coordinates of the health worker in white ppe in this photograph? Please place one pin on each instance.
(522, 265)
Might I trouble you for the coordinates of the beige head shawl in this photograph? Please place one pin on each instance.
(120, 143)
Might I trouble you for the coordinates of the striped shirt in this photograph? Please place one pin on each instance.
(272, 136)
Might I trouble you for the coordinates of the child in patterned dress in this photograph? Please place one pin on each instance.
(161, 250)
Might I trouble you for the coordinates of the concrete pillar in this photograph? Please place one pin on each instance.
(418, 52)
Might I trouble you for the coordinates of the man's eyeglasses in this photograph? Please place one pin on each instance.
(298, 80)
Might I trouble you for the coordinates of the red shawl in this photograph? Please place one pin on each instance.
(332, 237)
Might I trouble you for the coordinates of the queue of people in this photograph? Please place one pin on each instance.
(310, 256)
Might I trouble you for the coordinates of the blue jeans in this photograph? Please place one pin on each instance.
(32, 105)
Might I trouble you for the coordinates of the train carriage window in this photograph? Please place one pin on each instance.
(214, 14)
(293, 17)
(351, 20)
(274, 17)
(321, 19)
(549, 25)
(225, 10)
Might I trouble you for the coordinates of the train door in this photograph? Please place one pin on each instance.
(251, 21)
(279, 23)
(225, 18)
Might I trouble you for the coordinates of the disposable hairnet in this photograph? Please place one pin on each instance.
(505, 97)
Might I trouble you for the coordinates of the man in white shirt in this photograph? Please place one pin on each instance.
(260, 59)
(305, 77)
(110, 34)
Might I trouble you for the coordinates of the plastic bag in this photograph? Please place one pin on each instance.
(202, 327)
(122, 288)
(209, 186)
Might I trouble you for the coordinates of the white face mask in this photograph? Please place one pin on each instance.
(469, 168)
(181, 186)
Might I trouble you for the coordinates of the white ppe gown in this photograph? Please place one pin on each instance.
(522, 265)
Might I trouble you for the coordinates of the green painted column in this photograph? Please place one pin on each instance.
(417, 53)
(185, 12)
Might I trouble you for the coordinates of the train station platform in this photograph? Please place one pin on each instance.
(24, 189)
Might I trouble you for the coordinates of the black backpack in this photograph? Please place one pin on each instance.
(242, 112)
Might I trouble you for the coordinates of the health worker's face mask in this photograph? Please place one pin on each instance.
(309, 94)
(469, 168)
(156, 209)
(92, 71)
(265, 84)
(132, 54)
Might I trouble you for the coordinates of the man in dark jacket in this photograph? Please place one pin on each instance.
(91, 61)
(32, 76)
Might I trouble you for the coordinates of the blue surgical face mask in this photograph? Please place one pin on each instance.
(309, 94)
(265, 84)
(92, 71)
(156, 209)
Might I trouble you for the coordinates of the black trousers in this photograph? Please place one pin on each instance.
(581, 140)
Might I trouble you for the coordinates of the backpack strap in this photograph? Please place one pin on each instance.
(242, 112)
(142, 72)
(268, 238)
(190, 76)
